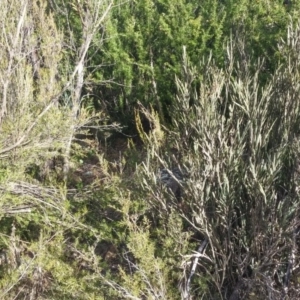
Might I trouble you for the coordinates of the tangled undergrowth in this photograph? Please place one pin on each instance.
(113, 228)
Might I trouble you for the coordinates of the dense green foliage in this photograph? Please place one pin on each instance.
(209, 87)
(143, 50)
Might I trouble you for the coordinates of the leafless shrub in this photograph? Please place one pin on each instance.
(239, 140)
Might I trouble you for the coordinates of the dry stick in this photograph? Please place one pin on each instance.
(11, 59)
(18, 210)
(89, 30)
(200, 250)
(87, 37)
